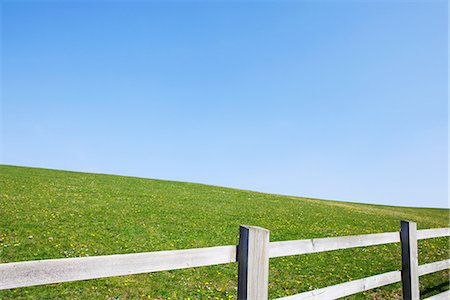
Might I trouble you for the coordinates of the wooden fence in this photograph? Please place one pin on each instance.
(252, 255)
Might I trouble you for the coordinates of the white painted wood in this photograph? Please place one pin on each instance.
(297, 247)
(432, 233)
(348, 288)
(30, 273)
(442, 296)
(434, 267)
(410, 260)
(253, 259)
(365, 284)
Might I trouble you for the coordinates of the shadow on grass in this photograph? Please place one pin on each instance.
(434, 290)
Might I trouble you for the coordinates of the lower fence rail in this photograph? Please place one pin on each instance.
(365, 284)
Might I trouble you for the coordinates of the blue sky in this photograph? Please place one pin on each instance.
(333, 99)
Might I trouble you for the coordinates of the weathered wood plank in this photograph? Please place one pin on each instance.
(253, 259)
(365, 284)
(432, 233)
(20, 274)
(410, 261)
(297, 247)
(434, 267)
(348, 288)
(30, 273)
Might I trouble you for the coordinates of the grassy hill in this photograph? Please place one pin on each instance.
(55, 214)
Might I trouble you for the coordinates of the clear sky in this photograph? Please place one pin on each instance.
(332, 99)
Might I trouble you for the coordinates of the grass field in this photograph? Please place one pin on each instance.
(55, 214)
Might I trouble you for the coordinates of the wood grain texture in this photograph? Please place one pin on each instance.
(297, 247)
(432, 233)
(253, 259)
(30, 273)
(434, 267)
(348, 288)
(410, 260)
(367, 283)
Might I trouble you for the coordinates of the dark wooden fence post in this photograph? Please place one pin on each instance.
(410, 262)
(253, 263)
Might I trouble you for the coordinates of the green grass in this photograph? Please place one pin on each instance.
(55, 214)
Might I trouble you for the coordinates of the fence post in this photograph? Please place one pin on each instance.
(410, 261)
(253, 263)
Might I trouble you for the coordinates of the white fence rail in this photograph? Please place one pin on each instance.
(252, 254)
(30, 273)
(365, 284)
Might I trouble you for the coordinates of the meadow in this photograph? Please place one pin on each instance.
(55, 214)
